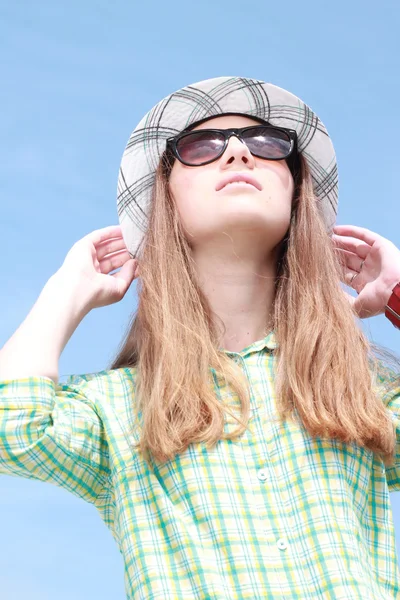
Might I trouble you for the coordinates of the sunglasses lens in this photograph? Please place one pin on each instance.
(267, 142)
(200, 147)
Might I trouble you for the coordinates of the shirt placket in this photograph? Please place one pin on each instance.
(274, 537)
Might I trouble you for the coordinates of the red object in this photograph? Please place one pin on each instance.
(392, 311)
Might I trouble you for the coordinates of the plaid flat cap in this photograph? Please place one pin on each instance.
(210, 98)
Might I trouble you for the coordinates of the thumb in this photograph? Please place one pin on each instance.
(350, 298)
(353, 301)
(125, 276)
(363, 308)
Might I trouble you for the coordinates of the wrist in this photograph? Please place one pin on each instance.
(68, 294)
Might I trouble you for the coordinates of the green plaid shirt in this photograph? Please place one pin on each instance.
(274, 514)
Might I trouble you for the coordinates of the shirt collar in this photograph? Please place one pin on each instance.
(269, 342)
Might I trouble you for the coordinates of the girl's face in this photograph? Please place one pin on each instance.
(247, 213)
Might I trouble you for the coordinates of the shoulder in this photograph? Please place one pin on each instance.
(387, 382)
(110, 386)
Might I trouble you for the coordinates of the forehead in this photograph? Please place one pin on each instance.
(226, 122)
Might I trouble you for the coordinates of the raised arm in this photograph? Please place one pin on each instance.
(81, 284)
(49, 431)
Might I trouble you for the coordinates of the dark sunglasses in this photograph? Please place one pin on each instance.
(203, 146)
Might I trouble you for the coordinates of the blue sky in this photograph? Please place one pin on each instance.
(76, 78)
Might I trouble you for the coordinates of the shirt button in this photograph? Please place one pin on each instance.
(262, 474)
(282, 544)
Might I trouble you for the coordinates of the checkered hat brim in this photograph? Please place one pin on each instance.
(206, 99)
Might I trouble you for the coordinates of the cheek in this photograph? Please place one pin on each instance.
(288, 183)
(279, 188)
(281, 176)
(284, 187)
(186, 190)
(179, 183)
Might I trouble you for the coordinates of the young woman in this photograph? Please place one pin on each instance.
(244, 441)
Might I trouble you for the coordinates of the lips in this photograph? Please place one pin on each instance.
(233, 177)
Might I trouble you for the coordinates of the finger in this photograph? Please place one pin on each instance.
(114, 261)
(359, 307)
(367, 236)
(349, 260)
(350, 244)
(352, 279)
(126, 275)
(341, 255)
(108, 247)
(350, 298)
(106, 233)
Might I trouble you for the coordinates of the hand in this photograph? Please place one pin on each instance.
(380, 270)
(88, 264)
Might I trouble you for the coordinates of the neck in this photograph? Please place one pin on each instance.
(241, 295)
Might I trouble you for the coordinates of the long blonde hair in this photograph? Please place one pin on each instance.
(325, 366)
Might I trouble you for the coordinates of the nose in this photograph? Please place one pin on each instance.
(237, 151)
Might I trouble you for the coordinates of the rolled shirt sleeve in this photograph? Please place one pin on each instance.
(389, 384)
(53, 433)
